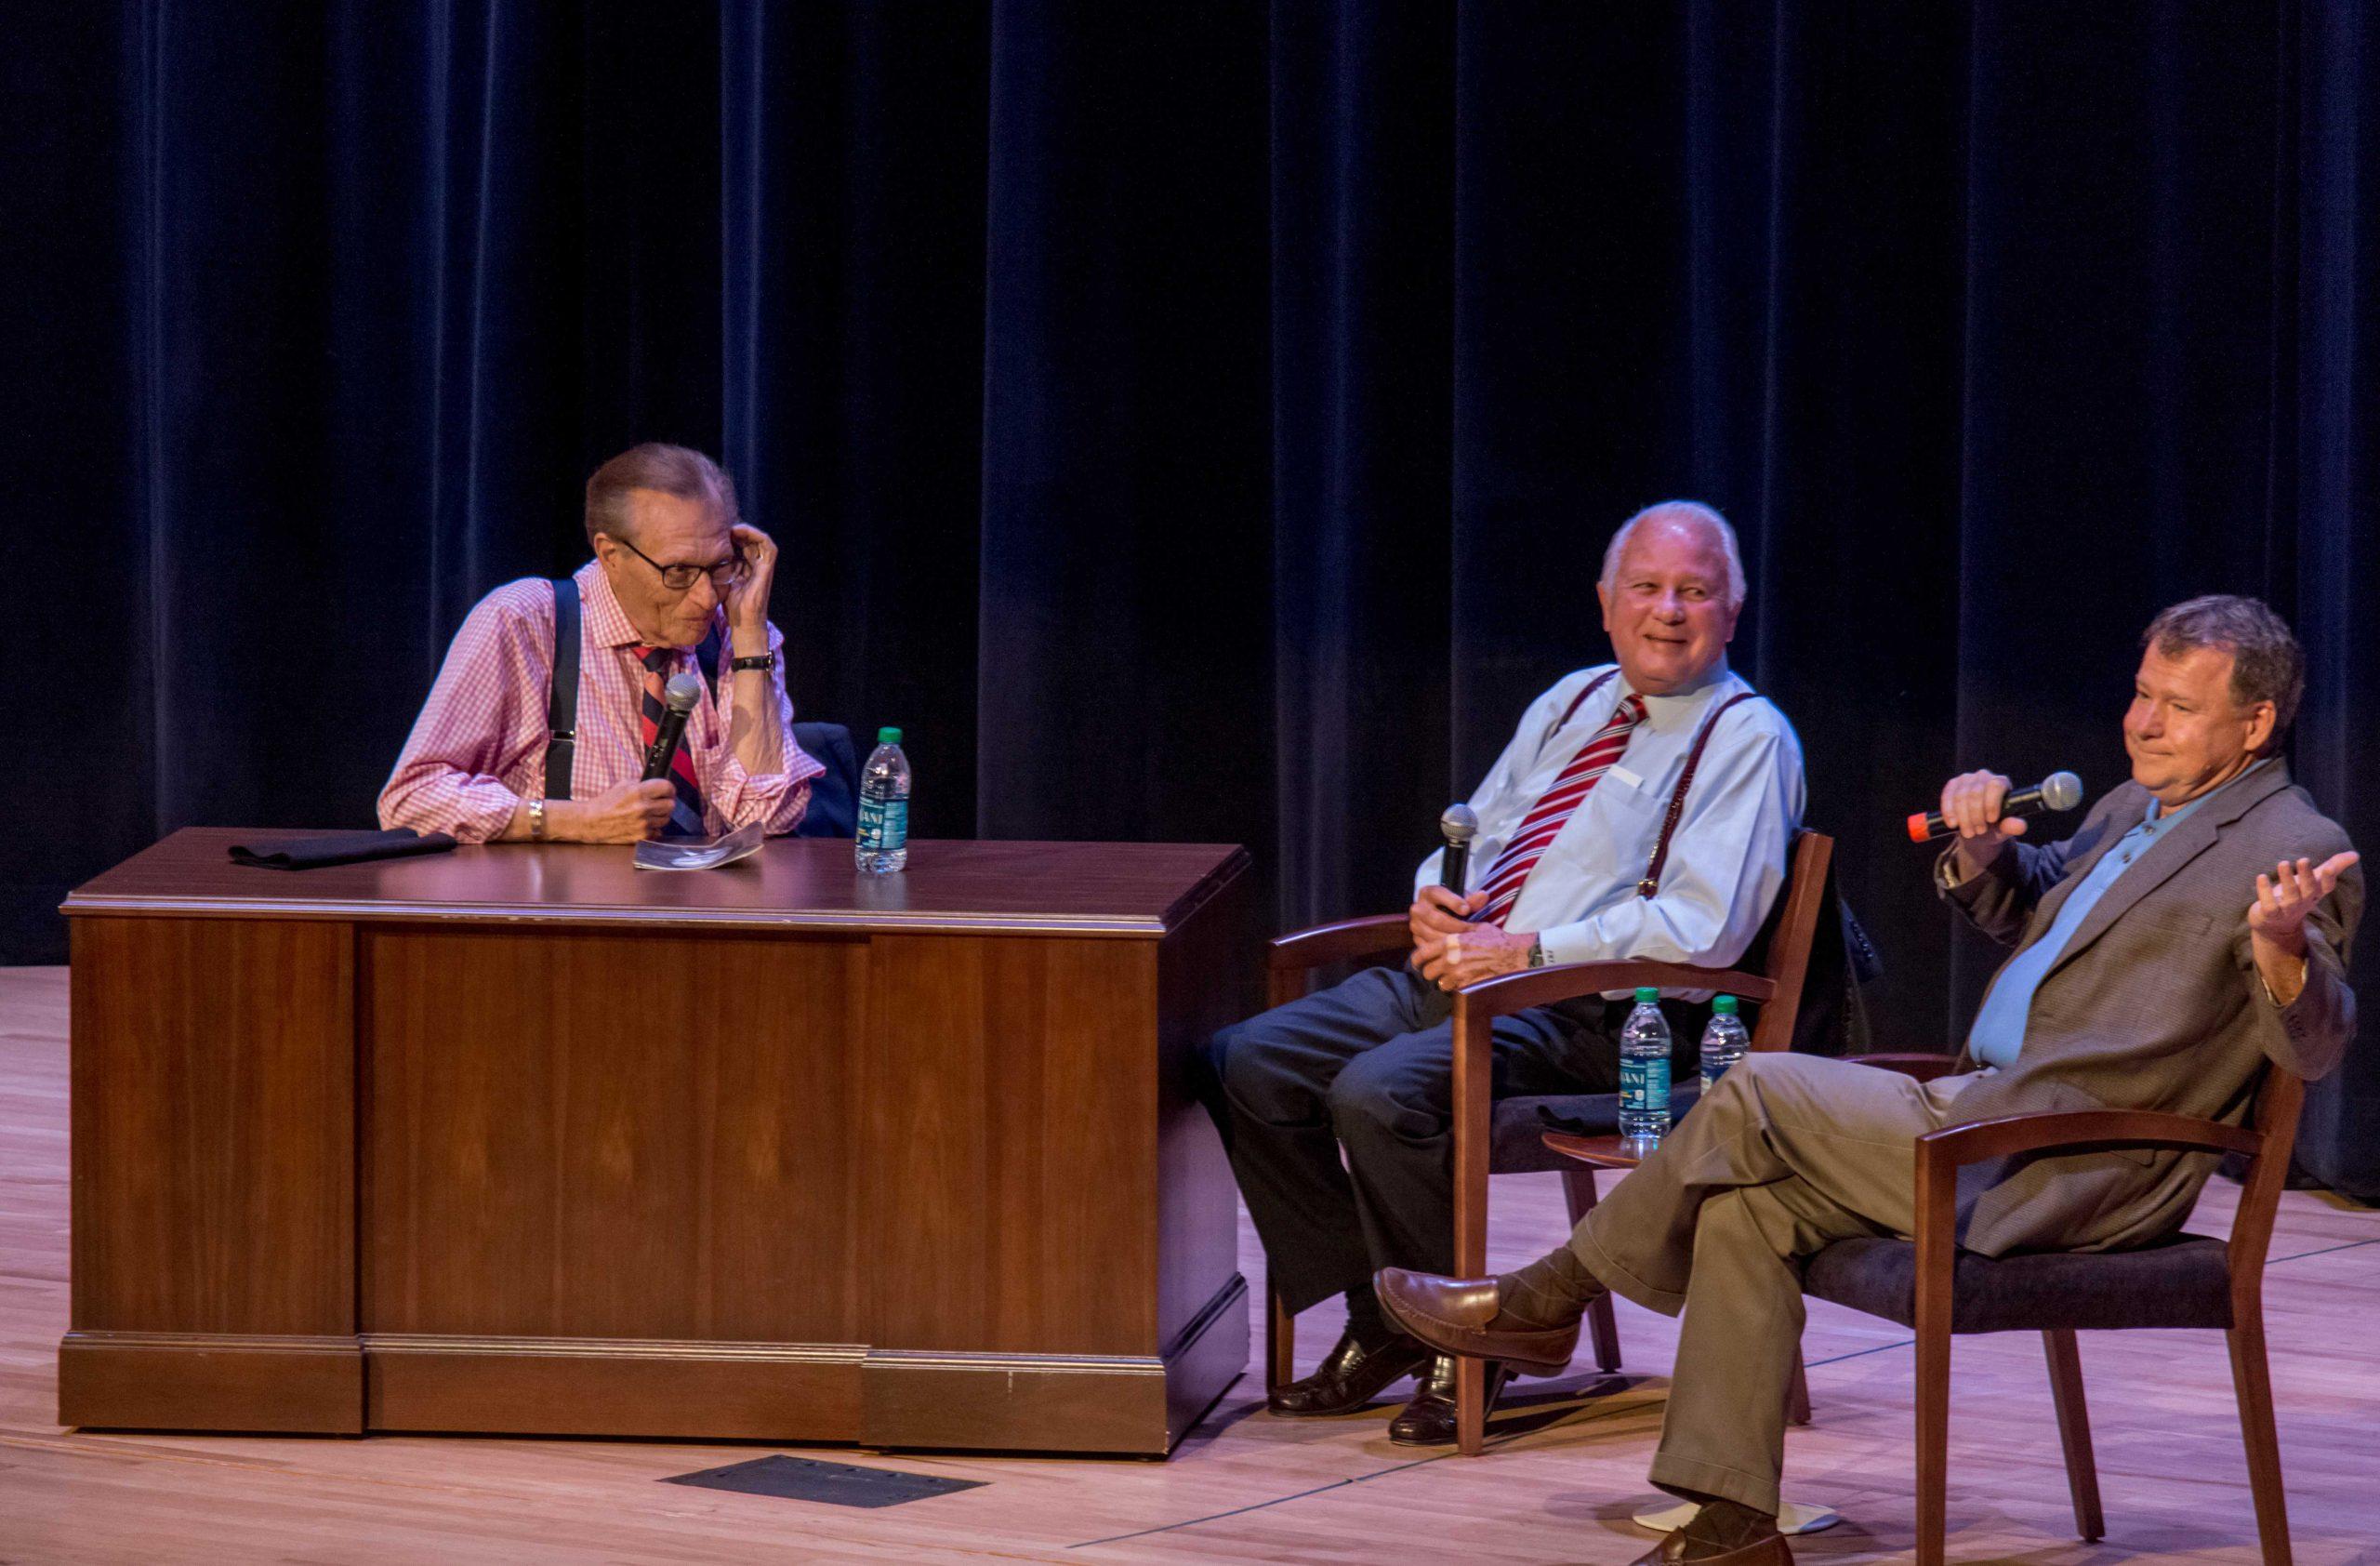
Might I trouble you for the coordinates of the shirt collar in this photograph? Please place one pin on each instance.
(1677, 704)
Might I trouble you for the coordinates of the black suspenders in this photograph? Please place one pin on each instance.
(562, 702)
(1652, 882)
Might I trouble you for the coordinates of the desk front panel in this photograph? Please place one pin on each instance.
(214, 1162)
(477, 1171)
(610, 1135)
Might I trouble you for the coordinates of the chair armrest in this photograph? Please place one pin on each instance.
(1339, 942)
(2079, 1131)
(1924, 1067)
(1507, 993)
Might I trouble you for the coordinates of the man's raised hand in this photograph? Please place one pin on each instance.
(2289, 893)
(747, 601)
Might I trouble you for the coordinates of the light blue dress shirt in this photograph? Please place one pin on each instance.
(1999, 1031)
(1727, 860)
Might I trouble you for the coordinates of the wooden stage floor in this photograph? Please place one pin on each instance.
(1568, 1468)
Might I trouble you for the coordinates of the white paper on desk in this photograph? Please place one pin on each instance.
(698, 852)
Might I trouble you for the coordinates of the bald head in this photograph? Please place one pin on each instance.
(1687, 521)
(1672, 585)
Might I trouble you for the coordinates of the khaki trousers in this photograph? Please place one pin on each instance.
(1787, 1155)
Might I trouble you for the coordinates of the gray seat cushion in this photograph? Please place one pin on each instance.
(2181, 1282)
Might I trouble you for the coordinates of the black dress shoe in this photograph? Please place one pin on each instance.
(1351, 1375)
(1429, 1419)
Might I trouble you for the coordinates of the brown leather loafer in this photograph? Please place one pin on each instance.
(1350, 1377)
(1460, 1315)
(1675, 1550)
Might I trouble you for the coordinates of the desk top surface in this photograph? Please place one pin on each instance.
(1055, 888)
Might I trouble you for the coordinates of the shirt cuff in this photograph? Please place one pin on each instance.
(1568, 943)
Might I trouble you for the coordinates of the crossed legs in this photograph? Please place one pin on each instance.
(1787, 1155)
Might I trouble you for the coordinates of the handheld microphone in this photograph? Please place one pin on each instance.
(678, 698)
(1461, 825)
(2059, 791)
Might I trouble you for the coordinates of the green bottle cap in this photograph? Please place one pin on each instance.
(887, 737)
(1725, 1005)
(1648, 996)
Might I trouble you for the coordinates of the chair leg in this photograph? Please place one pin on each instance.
(2251, 1379)
(1470, 1405)
(1933, 1443)
(1280, 1341)
(1579, 1190)
(1797, 1396)
(2074, 1432)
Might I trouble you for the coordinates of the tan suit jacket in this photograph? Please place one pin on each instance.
(2155, 1004)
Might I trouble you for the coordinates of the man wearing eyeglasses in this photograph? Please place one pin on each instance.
(675, 569)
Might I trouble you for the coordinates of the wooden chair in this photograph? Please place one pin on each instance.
(1508, 1138)
(2185, 1280)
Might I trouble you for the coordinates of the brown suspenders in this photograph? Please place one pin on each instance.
(1652, 882)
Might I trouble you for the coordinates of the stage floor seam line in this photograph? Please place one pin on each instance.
(2323, 1251)
(1585, 1417)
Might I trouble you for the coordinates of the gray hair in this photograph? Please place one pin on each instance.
(1694, 510)
(2266, 663)
(674, 470)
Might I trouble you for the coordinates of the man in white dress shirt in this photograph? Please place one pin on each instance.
(1336, 1107)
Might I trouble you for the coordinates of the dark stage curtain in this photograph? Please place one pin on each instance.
(1193, 421)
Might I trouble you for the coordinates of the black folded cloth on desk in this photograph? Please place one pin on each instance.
(339, 848)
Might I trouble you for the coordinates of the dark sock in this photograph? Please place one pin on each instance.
(1365, 1324)
(1552, 1290)
(1728, 1525)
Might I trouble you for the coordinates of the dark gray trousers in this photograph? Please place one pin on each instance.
(1366, 1066)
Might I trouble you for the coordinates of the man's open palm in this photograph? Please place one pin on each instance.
(2286, 896)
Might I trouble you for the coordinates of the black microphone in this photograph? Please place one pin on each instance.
(677, 699)
(1459, 825)
(2059, 791)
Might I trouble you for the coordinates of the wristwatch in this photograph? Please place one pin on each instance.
(1536, 952)
(763, 661)
(537, 821)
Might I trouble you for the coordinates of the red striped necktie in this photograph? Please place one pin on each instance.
(686, 811)
(1551, 813)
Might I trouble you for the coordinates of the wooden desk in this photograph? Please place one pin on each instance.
(519, 1139)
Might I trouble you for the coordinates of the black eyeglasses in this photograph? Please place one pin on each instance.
(680, 578)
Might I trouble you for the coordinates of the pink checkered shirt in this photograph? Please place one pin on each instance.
(479, 747)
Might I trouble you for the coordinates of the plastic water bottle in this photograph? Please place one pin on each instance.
(1645, 1075)
(1724, 1041)
(883, 843)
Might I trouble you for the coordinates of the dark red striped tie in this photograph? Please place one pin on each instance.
(686, 812)
(1551, 813)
